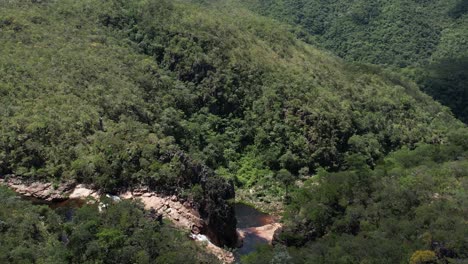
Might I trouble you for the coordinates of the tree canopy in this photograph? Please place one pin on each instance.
(192, 97)
(410, 208)
(407, 34)
(106, 92)
(121, 233)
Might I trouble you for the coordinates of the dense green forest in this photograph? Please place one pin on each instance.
(122, 233)
(412, 206)
(194, 97)
(415, 35)
(106, 92)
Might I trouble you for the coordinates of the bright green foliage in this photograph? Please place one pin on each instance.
(121, 233)
(423, 257)
(413, 200)
(251, 171)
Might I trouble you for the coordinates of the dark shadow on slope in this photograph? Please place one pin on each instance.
(447, 82)
(459, 10)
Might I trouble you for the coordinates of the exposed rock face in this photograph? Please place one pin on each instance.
(81, 191)
(39, 190)
(223, 255)
(181, 215)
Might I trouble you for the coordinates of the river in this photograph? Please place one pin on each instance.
(255, 227)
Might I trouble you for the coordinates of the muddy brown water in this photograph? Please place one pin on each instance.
(65, 207)
(67, 203)
(247, 217)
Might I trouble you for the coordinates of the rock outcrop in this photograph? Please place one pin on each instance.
(182, 215)
(81, 191)
(40, 190)
(218, 212)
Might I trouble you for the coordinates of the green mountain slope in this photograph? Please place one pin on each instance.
(190, 97)
(398, 33)
(102, 91)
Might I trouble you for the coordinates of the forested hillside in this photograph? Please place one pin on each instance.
(193, 98)
(105, 91)
(412, 208)
(422, 35)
